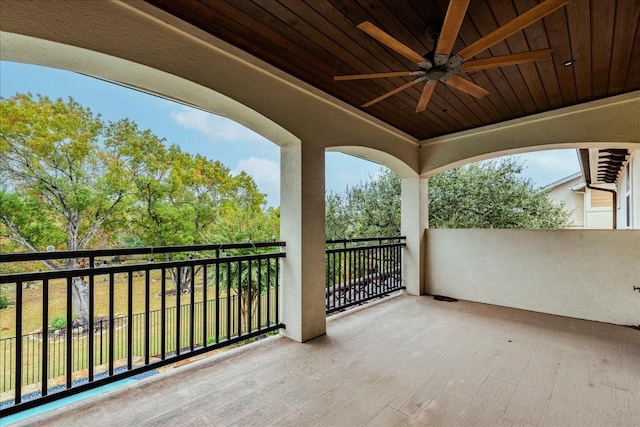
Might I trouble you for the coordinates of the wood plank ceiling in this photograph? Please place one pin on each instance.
(315, 40)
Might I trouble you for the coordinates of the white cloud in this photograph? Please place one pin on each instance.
(217, 127)
(545, 167)
(266, 174)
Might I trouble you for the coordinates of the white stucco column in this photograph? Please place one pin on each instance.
(415, 219)
(302, 228)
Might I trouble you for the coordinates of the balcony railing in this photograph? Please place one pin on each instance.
(226, 294)
(361, 269)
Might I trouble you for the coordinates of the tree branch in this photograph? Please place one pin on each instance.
(18, 238)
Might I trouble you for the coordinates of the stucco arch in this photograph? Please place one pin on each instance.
(381, 157)
(525, 150)
(144, 35)
(19, 48)
(606, 123)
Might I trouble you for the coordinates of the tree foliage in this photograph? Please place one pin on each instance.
(367, 210)
(71, 181)
(490, 194)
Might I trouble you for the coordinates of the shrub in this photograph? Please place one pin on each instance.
(58, 323)
(4, 301)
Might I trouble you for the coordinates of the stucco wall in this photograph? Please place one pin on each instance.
(586, 274)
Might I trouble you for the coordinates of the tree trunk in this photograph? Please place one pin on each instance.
(181, 279)
(80, 300)
(249, 305)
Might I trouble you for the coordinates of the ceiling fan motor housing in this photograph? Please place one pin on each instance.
(445, 67)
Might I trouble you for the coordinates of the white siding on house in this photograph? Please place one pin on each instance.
(589, 208)
(573, 200)
(628, 206)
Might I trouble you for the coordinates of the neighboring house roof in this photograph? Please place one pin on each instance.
(561, 181)
(579, 186)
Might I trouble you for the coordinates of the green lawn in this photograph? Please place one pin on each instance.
(32, 322)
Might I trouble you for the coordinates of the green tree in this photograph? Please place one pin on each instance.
(58, 187)
(490, 194)
(236, 277)
(180, 199)
(71, 181)
(367, 210)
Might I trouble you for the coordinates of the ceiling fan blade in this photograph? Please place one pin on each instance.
(467, 86)
(389, 41)
(373, 76)
(502, 61)
(393, 92)
(452, 21)
(426, 95)
(522, 21)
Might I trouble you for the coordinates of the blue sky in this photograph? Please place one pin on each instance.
(216, 137)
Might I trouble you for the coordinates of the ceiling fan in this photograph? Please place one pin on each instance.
(444, 65)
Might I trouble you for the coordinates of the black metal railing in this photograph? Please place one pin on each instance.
(226, 293)
(361, 269)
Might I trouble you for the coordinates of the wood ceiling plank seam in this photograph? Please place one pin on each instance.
(376, 49)
(485, 22)
(411, 23)
(191, 17)
(460, 106)
(356, 63)
(292, 37)
(457, 116)
(557, 32)
(468, 103)
(387, 20)
(536, 37)
(295, 38)
(345, 94)
(453, 121)
(504, 88)
(517, 43)
(463, 102)
(286, 16)
(416, 18)
(405, 97)
(474, 105)
(627, 16)
(486, 103)
(333, 33)
(518, 85)
(418, 124)
(602, 23)
(246, 42)
(550, 84)
(314, 35)
(502, 94)
(254, 31)
(489, 102)
(369, 47)
(403, 104)
(579, 21)
(633, 75)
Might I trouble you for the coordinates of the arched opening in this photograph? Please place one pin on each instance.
(29, 50)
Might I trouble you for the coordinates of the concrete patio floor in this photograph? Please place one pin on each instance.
(404, 361)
